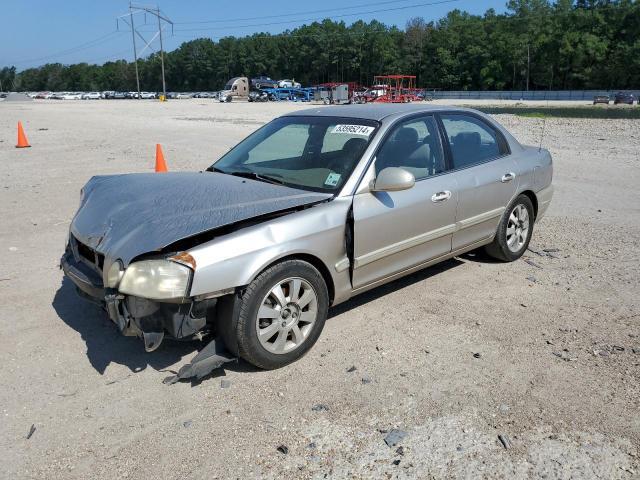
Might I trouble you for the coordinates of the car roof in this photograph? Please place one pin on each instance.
(373, 111)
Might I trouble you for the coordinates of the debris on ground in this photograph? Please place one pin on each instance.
(225, 383)
(32, 430)
(213, 356)
(477, 355)
(532, 263)
(351, 369)
(394, 437)
(532, 279)
(564, 355)
(366, 380)
(504, 440)
(187, 423)
(283, 449)
(606, 350)
(320, 407)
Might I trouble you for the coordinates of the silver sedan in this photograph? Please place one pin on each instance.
(313, 208)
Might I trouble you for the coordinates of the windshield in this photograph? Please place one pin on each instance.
(311, 153)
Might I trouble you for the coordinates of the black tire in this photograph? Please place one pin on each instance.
(249, 346)
(499, 249)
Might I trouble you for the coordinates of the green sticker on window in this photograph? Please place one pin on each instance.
(332, 179)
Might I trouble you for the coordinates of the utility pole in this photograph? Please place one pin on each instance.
(164, 85)
(134, 9)
(528, 65)
(135, 54)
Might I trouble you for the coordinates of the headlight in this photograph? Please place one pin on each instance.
(155, 279)
(114, 274)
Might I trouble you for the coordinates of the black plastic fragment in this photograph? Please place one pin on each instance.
(213, 356)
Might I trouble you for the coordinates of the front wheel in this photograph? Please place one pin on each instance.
(514, 231)
(281, 315)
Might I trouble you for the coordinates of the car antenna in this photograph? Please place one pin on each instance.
(544, 121)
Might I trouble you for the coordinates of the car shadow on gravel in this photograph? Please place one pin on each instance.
(105, 344)
(391, 287)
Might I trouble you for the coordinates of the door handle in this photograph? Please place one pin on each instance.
(507, 177)
(441, 196)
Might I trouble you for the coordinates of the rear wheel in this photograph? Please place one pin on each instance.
(514, 231)
(282, 314)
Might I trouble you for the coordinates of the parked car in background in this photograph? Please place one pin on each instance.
(263, 82)
(91, 96)
(119, 95)
(601, 99)
(184, 95)
(69, 96)
(258, 96)
(147, 95)
(313, 208)
(44, 95)
(623, 97)
(286, 83)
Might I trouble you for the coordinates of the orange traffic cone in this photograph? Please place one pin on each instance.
(161, 166)
(22, 138)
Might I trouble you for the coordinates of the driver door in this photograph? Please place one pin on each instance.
(396, 231)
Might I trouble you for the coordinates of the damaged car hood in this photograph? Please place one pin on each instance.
(123, 216)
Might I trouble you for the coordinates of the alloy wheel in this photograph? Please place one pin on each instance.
(286, 315)
(517, 228)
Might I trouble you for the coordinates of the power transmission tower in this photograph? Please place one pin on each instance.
(144, 9)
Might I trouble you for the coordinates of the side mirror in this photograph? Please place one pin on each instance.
(393, 179)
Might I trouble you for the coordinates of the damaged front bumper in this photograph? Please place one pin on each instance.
(136, 316)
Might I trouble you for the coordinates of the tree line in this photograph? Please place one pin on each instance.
(535, 44)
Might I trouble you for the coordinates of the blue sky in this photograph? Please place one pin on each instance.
(34, 32)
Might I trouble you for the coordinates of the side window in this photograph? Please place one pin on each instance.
(471, 140)
(415, 146)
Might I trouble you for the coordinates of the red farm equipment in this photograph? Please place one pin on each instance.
(395, 89)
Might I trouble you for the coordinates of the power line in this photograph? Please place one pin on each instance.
(83, 46)
(355, 14)
(347, 7)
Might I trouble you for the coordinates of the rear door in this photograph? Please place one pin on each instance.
(485, 173)
(395, 231)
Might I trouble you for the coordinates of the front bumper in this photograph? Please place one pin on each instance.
(136, 316)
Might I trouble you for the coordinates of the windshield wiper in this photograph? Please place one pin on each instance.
(248, 174)
(256, 176)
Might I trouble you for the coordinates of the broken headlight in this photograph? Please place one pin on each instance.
(156, 279)
(114, 274)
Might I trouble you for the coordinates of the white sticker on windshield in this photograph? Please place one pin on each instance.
(332, 179)
(353, 129)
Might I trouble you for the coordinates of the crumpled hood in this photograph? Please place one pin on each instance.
(123, 216)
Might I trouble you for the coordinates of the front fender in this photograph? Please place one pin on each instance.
(235, 259)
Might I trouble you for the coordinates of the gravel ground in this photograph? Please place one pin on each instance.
(469, 369)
